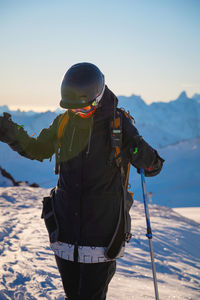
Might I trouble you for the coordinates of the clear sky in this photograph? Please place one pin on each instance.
(143, 47)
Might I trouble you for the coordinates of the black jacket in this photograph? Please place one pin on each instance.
(88, 194)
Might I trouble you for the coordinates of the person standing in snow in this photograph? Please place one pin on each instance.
(87, 226)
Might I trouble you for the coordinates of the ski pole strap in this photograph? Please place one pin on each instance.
(149, 231)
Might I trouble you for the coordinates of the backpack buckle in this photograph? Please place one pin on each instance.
(116, 137)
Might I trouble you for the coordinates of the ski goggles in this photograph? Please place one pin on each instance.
(85, 112)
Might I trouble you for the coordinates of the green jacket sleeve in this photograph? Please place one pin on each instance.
(40, 148)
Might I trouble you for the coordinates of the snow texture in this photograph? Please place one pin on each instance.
(189, 212)
(28, 269)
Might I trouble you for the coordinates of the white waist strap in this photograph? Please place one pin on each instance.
(86, 254)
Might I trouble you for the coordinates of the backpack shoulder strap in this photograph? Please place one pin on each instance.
(116, 138)
(127, 114)
(62, 122)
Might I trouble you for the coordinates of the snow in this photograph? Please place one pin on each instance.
(28, 269)
(192, 213)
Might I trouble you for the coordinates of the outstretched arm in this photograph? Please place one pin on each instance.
(141, 154)
(33, 148)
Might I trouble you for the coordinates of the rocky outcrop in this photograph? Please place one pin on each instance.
(6, 179)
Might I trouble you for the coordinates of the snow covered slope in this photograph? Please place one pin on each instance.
(28, 269)
(189, 212)
(178, 184)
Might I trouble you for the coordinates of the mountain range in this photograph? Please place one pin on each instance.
(173, 128)
(160, 123)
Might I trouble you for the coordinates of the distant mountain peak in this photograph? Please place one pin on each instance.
(183, 96)
(196, 97)
(138, 99)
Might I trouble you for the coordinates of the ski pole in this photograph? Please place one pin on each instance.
(149, 233)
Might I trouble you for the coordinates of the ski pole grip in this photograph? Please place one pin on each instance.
(145, 202)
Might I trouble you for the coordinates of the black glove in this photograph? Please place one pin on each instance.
(155, 167)
(145, 157)
(8, 129)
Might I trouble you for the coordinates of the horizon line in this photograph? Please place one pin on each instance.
(52, 108)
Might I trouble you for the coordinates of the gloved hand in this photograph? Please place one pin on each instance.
(155, 167)
(8, 128)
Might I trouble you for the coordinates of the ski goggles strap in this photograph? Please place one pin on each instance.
(98, 98)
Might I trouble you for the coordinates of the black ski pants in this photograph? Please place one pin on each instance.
(83, 281)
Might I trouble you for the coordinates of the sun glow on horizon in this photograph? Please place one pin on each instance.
(33, 108)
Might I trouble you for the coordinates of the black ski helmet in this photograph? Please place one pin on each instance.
(82, 84)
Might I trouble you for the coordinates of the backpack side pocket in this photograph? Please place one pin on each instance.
(49, 216)
(128, 205)
(123, 230)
